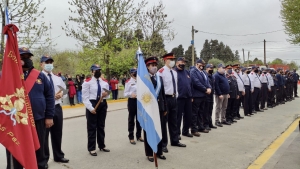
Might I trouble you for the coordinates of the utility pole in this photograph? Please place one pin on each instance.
(193, 48)
(265, 62)
(248, 58)
(243, 55)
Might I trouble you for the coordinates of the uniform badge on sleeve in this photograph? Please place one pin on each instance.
(39, 81)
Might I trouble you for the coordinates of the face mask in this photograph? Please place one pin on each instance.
(181, 66)
(48, 67)
(229, 71)
(210, 71)
(172, 63)
(265, 72)
(134, 75)
(153, 70)
(69, 79)
(248, 72)
(27, 63)
(97, 74)
(256, 71)
(237, 70)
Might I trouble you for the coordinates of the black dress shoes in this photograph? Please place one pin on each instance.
(151, 159)
(93, 153)
(213, 127)
(188, 135)
(140, 139)
(179, 138)
(226, 123)
(204, 131)
(104, 150)
(62, 160)
(162, 157)
(241, 117)
(132, 142)
(165, 150)
(219, 124)
(179, 145)
(208, 128)
(196, 134)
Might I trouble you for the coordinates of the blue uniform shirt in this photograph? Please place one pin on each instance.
(42, 98)
(184, 84)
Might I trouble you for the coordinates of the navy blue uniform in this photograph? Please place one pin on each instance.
(279, 93)
(42, 103)
(209, 104)
(184, 101)
(295, 83)
(234, 93)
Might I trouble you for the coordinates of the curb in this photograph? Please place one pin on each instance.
(82, 105)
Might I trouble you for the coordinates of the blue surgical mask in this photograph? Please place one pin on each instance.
(48, 67)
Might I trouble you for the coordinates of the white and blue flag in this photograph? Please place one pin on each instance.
(147, 106)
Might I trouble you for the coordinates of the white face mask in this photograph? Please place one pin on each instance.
(153, 70)
(48, 67)
(172, 63)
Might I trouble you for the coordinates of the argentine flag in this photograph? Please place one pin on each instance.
(147, 106)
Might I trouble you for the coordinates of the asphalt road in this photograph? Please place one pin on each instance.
(229, 147)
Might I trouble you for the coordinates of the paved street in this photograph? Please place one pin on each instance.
(229, 147)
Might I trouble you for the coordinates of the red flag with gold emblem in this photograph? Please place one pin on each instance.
(17, 127)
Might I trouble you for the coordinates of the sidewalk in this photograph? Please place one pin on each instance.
(79, 110)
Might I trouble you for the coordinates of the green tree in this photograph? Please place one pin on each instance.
(293, 65)
(100, 22)
(178, 51)
(290, 17)
(206, 53)
(215, 62)
(257, 61)
(277, 61)
(188, 56)
(26, 15)
(236, 56)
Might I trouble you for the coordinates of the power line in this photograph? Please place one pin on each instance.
(252, 34)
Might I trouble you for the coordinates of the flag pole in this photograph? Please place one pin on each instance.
(155, 161)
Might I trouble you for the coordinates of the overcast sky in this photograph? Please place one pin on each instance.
(231, 17)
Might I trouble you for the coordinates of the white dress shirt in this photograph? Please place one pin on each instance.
(166, 75)
(57, 81)
(255, 80)
(247, 81)
(89, 91)
(239, 81)
(130, 87)
(271, 80)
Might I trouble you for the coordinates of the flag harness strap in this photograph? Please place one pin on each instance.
(31, 79)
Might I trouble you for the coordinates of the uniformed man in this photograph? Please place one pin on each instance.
(249, 88)
(233, 95)
(184, 98)
(238, 76)
(57, 129)
(151, 64)
(93, 93)
(41, 95)
(279, 95)
(271, 87)
(295, 82)
(130, 92)
(170, 80)
(257, 87)
(265, 88)
(200, 89)
(209, 104)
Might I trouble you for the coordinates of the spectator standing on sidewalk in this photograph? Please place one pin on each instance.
(72, 90)
(114, 87)
(78, 84)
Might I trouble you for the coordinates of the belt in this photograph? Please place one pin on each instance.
(173, 95)
(264, 83)
(57, 105)
(247, 85)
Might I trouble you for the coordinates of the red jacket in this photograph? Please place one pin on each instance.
(114, 84)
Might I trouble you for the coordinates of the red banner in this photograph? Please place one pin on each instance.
(17, 127)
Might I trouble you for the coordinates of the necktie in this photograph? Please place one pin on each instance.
(154, 81)
(51, 81)
(267, 79)
(99, 90)
(249, 81)
(173, 81)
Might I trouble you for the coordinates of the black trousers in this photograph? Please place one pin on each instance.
(295, 88)
(184, 108)
(283, 93)
(279, 98)
(230, 109)
(56, 135)
(247, 101)
(71, 100)
(271, 96)
(148, 149)
(96, 125)
(171, 119)
(237, 105)
(198, 114)
(132, 118)
(114, 94)
(40, 153)
(264, 95)
(255, 99)
(209, 105)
